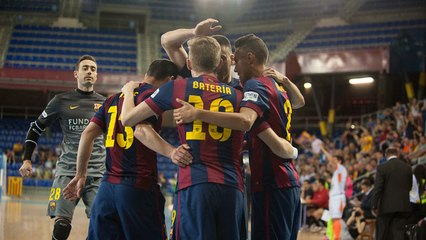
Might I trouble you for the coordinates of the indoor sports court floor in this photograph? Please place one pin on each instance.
(25, 218)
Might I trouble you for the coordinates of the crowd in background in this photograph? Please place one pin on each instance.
(44, 159)
(362, 148)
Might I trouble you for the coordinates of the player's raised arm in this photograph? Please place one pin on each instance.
(328, 156)
(151, 139)
(131, 115)
(172, 41)
(73, 190)
(296, 98)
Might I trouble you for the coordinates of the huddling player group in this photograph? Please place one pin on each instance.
(116, 174)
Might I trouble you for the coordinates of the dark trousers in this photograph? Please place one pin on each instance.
(390, 226)
(416, 213)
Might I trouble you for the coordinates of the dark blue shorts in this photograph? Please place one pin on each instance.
(125, 212)
(276, 214)
(207, 211)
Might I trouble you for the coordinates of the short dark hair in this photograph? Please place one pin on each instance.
(82, 58)
(223, 41)
(254, 44)
(340, 158)
(366, 182)
(162, 68)
(391, 151)
(321, 181)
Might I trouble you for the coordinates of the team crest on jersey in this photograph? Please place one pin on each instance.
(251, 96)
(52, 205)
(96, 106)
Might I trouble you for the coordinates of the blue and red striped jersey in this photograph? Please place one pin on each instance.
(215, 150)
(271, 103)
(128, 161)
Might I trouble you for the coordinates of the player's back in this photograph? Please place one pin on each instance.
(215, 150)
(271, 102)
(128, 161)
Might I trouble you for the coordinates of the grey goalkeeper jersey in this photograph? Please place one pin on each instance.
(74, 109)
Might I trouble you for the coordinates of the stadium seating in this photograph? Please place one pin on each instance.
(60, 48)
(277, 9)
(31, 5)
(271, 38)
(383, 5)
(14, 130)
(159, 10)
(359, 35)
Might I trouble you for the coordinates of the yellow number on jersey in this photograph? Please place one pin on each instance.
(124, 143)
(288, 110)
(197, 130)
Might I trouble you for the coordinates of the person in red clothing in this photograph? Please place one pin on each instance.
(319, 202)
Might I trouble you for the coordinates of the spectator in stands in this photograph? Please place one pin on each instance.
(318, 203)
(415, 111)
(163, 182)
(366, 141)
(306, 191)
(366, 189)
(10, 156)
(423, 111)
(390, 197)
(359, 170)
(18, 149)
(356, 223)
(73, 109)
(410, 126)
(316, 144)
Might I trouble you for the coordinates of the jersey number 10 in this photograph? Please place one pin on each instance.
(197, 130)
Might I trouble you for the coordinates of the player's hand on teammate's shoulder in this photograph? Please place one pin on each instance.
(181, 157)
(26, 169)
(276, 75)
(184, 114)
(74, 187)
(129, 87)
(205, 28)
